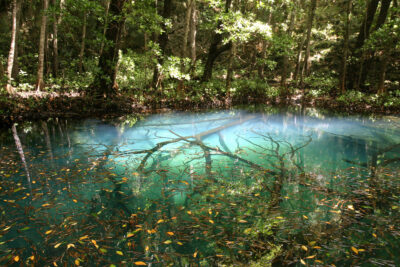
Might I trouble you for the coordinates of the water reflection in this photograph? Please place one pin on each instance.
(201, 189)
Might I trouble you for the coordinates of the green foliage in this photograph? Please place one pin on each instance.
(351, 97)
(321, 84)
(252, 89)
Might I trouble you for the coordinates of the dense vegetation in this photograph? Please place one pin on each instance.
(207, 51)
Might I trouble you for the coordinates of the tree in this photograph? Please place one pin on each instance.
(162, 42)
(306, 62)
(104, 83)
(216, 48)
(13, 47)
(42, 43)
(345, 49)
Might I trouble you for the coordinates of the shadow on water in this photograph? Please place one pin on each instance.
(260, 188)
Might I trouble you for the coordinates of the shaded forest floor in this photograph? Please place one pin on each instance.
(34, 105)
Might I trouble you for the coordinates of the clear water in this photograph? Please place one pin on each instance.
(213, 188)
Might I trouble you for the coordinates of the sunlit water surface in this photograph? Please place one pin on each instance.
(213, 188)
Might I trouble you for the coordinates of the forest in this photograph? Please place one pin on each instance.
(57, 56)
(199, 133)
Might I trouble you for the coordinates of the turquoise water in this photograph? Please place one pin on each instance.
(213, 188)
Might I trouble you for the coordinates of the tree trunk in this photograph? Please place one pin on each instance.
(189, 5)
(82, 52)
(370, 59)
(382, 74)
(104, 83)
(354, 76)
(285, 60)
(306, 64)
(343, 68)
(42, 44)
(105, 28)
(229, 72)
(13, 46)
(56, 22)
(215, 50)
(193, 32)
(298, 58)
(162, 41)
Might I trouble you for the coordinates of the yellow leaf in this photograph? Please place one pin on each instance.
(32, 258)
(16, 258)
(318, 261)
(311, 257)
(316, 247)
(119, 253)
(189, 212)
(242, 221)
(195, 254)
(211, 221)
(74, 200)
(374, 235)
(95, 243)
(361, 250)
(130, 235)
(302, 262)
(170, 233)
(257, 195)
(70, 246)
(48, 232)
(55, 264)
(46, 205)
(279, 218)
(304, 248)
(140, 263)
(305, 217)
(173, 218)
(354, 250)
(179, 243)
(57, 245)
(83, 237)
(77, 262)
(167, 242)
(147, 248)
(160, 221)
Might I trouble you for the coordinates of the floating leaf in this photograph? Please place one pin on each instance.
(74, 200)
(242, 221)
(95, 243)
(57, 245)
(305, 217)
(48, 232)
(354, 250)
(311, 257)
(83, 237)
(170, 233)
(179, 243)
(160, 221)
(77, 262)
(304, 248)
(119, 252)
(140, 263)
(46, 205)
(16, 258)
(130, 235)
(302, 262)
(147, 248)
(211, 221)
(167, 242)
(32, 257)
(195, 254)
(70, 246)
